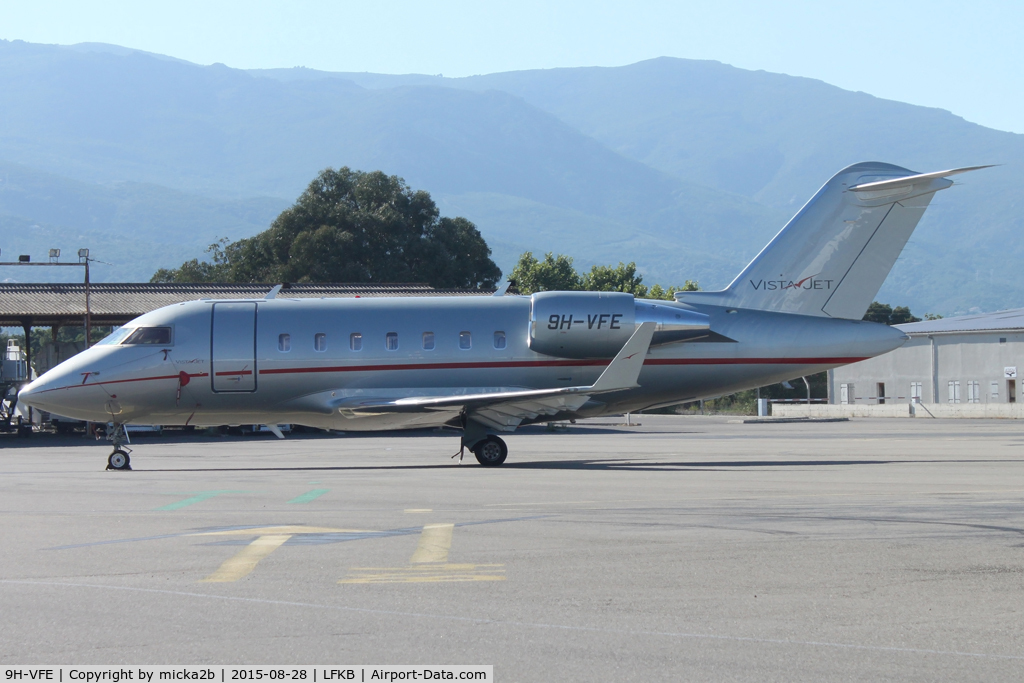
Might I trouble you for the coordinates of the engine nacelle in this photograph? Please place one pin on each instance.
(581, 324)
(598, 324)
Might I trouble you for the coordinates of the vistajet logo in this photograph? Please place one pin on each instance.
(810, 282)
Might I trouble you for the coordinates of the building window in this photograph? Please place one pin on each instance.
(320, 342)
(993, 389)
(973, 392)
(428, 341)
(355, 341)
(1002, 340)
(954, 391)
(465, 340)
(499, 340)
(391, 341)
(846, 394)
(915, 392)
(284, 343)
(881, 393)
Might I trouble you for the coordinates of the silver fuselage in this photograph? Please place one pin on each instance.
(180, 382)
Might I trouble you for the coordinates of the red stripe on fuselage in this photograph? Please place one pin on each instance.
(561, 364)
(495, 364)
(122, 381)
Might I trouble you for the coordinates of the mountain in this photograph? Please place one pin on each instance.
(128, 226)
(687, 167)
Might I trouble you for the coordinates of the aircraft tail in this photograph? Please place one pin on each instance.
(832, 257)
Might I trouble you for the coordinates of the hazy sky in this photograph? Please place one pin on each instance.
(966, 57)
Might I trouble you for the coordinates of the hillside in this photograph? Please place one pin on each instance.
(686, 167)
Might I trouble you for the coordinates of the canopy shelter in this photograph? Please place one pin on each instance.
(57, 305)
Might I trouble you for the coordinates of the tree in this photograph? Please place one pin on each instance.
(887, 315)
(554, 273)
(351, 226)
(622, 278)
(658, 292)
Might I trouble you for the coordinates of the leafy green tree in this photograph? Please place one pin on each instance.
(887, 315)
(554, 273)
(659, 292)
(351, 226)
(622, 278)
(199, 271)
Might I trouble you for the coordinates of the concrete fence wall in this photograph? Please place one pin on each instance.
(852, 410)
(1005, 411)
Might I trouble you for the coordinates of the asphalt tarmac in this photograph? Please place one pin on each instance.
(686, 548)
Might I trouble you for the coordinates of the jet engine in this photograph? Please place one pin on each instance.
(597, 324)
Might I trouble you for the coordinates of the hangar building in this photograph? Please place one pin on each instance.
(971, 359)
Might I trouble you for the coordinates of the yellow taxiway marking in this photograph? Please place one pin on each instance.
(435, 541)
(433, 573)
(277, 530)
(269, 539)
(419, 510)
(245, 561)
(429, 564)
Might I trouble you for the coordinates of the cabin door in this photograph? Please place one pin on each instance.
(233, 347)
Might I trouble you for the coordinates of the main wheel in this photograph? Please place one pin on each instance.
(490, 452)
(119, 460)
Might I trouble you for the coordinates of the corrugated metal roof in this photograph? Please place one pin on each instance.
(1012, 319)
(117, 303)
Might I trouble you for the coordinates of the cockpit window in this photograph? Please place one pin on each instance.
(117, 336)
(149, 335)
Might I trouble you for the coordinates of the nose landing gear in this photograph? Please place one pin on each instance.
(120, 458)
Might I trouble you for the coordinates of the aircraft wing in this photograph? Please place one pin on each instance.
(505, 410)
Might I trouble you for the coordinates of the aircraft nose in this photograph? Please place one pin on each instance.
(57, 392)
(28, 391)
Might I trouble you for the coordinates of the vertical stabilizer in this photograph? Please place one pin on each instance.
(834, 254)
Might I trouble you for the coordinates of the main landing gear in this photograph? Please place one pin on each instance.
(120, 458)
(490, 452)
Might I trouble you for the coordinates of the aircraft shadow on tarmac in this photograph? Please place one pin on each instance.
(606, 465)
(202, 437)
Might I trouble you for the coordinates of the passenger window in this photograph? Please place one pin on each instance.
(499, 340)
(284, 343)
(355, 341)
(319, 341)
(465, 340)
(391, 341)
(428, 341)
(150, 335)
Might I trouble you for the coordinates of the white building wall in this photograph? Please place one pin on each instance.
(962, 357)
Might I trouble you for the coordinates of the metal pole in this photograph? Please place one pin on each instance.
(88, 308)
(808, 389)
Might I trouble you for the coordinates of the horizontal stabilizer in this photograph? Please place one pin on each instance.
(906, 181)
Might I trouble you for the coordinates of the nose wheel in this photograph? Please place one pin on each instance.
(120, 459)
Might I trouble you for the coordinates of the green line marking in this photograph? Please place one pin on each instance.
(308, 497)
(197, 498)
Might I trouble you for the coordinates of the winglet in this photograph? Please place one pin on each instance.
(625, 368)
(503, 287)
(272, 294)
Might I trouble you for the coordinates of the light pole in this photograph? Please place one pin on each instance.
(83, 261)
